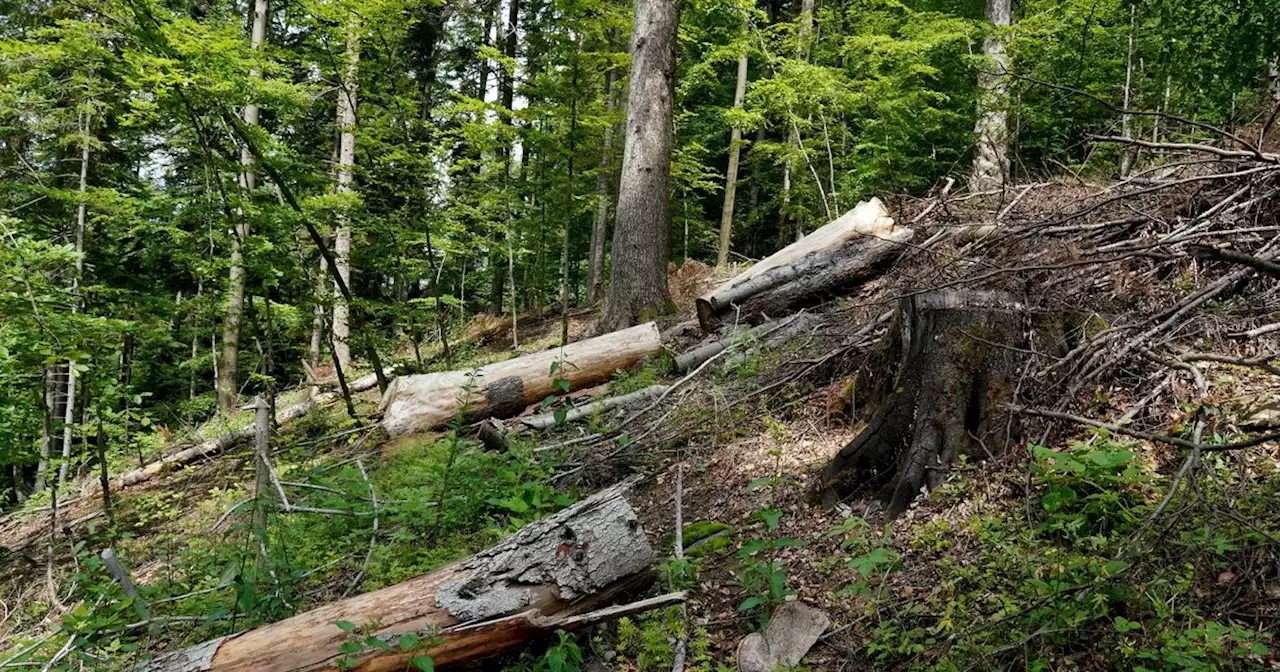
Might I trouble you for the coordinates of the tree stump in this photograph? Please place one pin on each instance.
(958, 353)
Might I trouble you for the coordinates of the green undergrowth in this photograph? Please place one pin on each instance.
(206, 568)
(1078, 574)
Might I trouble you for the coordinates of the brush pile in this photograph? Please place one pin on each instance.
(1127, 297)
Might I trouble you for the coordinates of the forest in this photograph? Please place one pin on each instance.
(639, 335)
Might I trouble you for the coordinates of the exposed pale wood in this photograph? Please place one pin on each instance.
(538, 580)
(547, 420)
(505, 389)
(834, 254)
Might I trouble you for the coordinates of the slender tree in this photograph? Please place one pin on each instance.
(604, 199)
(804, 34)
(347, 99)
(991, 161)
(68, 420)
(641, 237)
(731, 175)
(227, 377)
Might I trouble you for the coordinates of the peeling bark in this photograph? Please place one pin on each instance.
(539, 579)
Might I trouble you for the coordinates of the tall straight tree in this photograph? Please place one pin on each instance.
(227, 369)
(347, 97)
(991, 161)
(642, 236)
(804, 34)
(604, 200)
(68, 419)
(731, 175)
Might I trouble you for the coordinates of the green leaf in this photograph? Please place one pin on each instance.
(770, 517)
(750, 603)
(1114, 567)
(423, 663)
(346, 626)
(409, 641)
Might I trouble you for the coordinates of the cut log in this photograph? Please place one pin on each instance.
(503, 390)
(548, 420)
(848, 250)
(957, 354)
(540, 579)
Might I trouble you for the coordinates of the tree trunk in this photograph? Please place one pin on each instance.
(317, 326)
(991, 161)
(804, 33)
(958, 354)
(852, 248)
(570, 210)
(731, 175)
(641, 237)
(590, 409)
(347, 100)
(81, 211)
(1127, 154)
(505, 389)
(600, 225)
(49, 380)
(226, 377)
(529, 585)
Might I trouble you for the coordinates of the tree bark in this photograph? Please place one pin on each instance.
(505, 389)
(532, 583)
(991, 161)
(641, 238)
(81, 211)
(1127, 154)
(851, 248)
(957, 356)
(317, 326)
(731, 175)
(604, 200)
(227, 374)
(347, 100)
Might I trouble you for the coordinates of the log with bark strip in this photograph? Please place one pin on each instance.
(555, 573)
(851, 249)
(505, 389)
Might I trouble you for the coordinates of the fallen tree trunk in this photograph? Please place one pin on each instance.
(548, 420)
(957, 354)
(848, 250)
(505, 389)
(767, 333)
(212, 446)
(538, 580)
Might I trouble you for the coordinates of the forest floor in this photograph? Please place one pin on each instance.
(1060, 556)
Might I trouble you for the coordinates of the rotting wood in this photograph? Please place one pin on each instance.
(584, 411)
(958, 353)
(540, 579)
(848, 249)
(503, 390)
